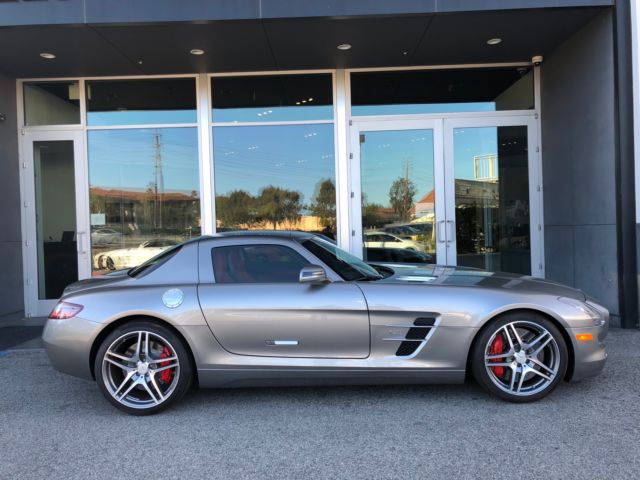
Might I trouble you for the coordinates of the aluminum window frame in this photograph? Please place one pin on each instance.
(342, 119)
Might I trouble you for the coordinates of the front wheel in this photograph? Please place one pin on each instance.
(520, 357)
(142, 368)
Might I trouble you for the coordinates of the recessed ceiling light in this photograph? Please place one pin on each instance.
(494, 41)
(48, 56)
(344, 46)
(196, 51)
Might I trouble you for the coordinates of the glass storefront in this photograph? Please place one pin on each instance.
(272, 161)
(492, 216)
(144, 193)
(398, 195)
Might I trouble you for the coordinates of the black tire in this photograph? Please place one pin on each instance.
(108, 375)
(497, 380)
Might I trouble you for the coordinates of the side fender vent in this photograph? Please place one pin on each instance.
(416, 336)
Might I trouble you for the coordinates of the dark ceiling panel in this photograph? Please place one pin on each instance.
(164, 48)
(79, 51)
(461, 38)
(311, 43)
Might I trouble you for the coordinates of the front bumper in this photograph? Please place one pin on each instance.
(68, 345)
(589, 356)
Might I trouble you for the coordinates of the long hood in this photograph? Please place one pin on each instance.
(470, 277)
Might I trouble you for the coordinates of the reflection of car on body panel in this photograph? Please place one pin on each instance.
(293, 309)
(386, 240)
(397, 255)
(131, 257)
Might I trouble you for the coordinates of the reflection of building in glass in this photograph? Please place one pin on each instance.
(134, 210)
(485, 167)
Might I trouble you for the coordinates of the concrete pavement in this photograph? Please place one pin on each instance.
(55, 426)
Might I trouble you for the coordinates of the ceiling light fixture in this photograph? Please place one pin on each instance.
(196, 51)
(494, 41)
(48, 56)
(344, 46)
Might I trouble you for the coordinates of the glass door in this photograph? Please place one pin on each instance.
(492, 194)
(397, 194)
(56, 243)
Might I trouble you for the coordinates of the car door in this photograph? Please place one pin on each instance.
(253, 302)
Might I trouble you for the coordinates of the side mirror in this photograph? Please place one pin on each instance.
(313, 275)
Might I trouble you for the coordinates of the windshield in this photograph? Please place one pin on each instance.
(154, 262)
(349, 267)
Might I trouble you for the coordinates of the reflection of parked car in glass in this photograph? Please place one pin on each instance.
(104, 236)
(397, 255)
(385, 240)
(131, 257)
(402, 230)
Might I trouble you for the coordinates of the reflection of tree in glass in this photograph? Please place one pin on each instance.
(237, 209)
(401, 196)
(371, 214)
(276, 205)
(324, 204)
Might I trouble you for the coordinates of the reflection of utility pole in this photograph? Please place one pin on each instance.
(158, 184)
(405, 199)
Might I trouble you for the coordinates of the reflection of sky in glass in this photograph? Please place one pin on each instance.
(140, 117)
(383, 156)
(295, 157)
(409, 108)
(125, 159)
(470, 142)
(273, 114)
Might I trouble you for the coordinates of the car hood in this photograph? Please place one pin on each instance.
(471, 277)
(96, 282)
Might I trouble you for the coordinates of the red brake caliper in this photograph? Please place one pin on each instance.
(166, 375)
(496, 348)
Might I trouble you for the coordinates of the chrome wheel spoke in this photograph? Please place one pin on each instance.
(146, 387)
(139, 344)
(522, 375)
(152, 379)
(541, 365)
(161, 360)
(506, 334)
(166, 367)
(539, 373)
(516, 335)
(541, 347)
(124, 382)
(145, 349)
(498, 364)
(500, 355)
(537, 339)
(514, 371)
(133, 384)
(119, 364)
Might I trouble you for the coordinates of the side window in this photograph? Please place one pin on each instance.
(256, 264)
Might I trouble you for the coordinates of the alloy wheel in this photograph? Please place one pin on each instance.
(140, 369)
(522, 358)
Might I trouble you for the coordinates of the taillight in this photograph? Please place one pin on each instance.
(64, 310)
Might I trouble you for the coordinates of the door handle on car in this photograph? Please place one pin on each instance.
(281, 342)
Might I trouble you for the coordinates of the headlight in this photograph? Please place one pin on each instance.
(585, 308)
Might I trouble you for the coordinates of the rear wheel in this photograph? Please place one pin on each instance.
(520, 357)
(142, 368)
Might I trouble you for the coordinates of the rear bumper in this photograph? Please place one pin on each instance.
(589, 356)
(68, 345)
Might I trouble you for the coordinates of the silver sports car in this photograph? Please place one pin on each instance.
(269, 308)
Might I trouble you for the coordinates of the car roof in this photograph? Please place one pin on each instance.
(288, 234)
